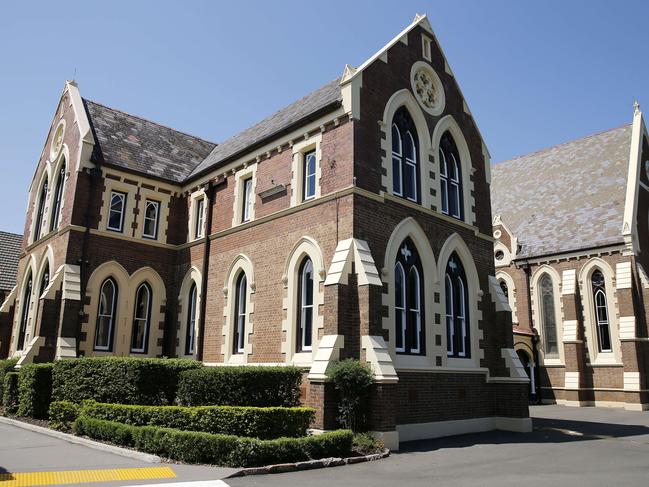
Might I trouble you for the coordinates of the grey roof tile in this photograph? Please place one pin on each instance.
(565, 198)
(136, 144)
(295, 112)
(10, 244)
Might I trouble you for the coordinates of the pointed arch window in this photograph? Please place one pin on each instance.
(450, 175)
(458, 342)
(24, 315)
(151, 212)
(601, 311)
(306, 308)
(503, 286)
(106, 315)
(41, 210)
(409, 301)
(141, 319)
(45, 280)
(548, 314)
(191, 320)
(241, 295)
(405, 162)
(58, 198)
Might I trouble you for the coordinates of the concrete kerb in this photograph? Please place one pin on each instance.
(135, 455)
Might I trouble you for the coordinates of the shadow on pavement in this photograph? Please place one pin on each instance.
(545, 431)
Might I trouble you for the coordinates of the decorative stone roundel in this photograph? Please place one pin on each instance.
(57, 141)
(427, 87)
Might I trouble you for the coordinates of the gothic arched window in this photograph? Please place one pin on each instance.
(450, 175)
(45, 280)
(141, 319)
(41, 209)
(305, 305)
(58, 197)
(601, 311)
(548, 314)
(458, 342)
(405, 165)
(409, 300)
(240, 314)
(190, 332)
(24, 316)
(106, 315)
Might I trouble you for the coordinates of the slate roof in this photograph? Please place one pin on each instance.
(309, 105)
(10, 244)
(136, 144)
(565, 198)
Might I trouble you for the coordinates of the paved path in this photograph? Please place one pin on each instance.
(569, 446)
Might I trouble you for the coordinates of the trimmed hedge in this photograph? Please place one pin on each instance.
(62, 414)
(35, 390)
(240, 386)
(7, 365)
(122, 380)
(224, 450)
(263, 423)
(10, 393)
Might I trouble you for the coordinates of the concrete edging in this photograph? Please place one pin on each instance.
(308, 465)
(135, 455)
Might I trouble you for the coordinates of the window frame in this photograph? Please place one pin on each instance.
(199, 218)
(240, 314)
(112, 316)
(303, 307)
(190, 320)
(450, 154)
(124, 196)
(40, 209)
(247, 198)
(458, 322)
(24, 312)
(156, 220)
(404, 124)
(306, 175)
(544, 313)
(600, 290)
(412, 331)
(58, 197)
(137, 320)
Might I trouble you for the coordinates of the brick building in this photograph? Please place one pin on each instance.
(355, 222)
(571, 231)
(9, 251)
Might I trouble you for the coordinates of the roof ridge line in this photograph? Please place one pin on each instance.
(149, 121)
(571, 141)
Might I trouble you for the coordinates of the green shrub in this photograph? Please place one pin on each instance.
(122, 380)
(7, 365)
(240, 386)
(62, 414)
(224, 450)
(353, 381)
(366, 444)
(10, 393)
(264, 423)
(35, 390)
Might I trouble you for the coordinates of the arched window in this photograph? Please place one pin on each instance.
(191, 320)
(408, 300)
(450, 175)
(240, 313)
(405, 166)
(45, 280)
(458, 343)
(41, 209)
(601, 311)
(305, 311)
(58, 197)
(141, 319)
(503, 286)
(548, 314)
(24, 316)
(106, 315)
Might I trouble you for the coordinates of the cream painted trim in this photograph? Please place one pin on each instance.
(511, 291)
(123, 326)
(409, 228)
(305, 247)
(30, 268)
(63, 156)
(558, 310)
(568, 282)
(438, 109)
(404, 98)
(193, 275)
(623, 275)
(9, 300)
(240, 264)
(300, 149)
(130, 191)
(632, 381)
(163, 214)
(439, 429)
(580, 254)
(507, 255)
(449, 124)
(627, 327)
(377, 355)
(498, 297)
(585, 273)
(327, 353)
(195, 197)
(629, 225)
(237, 206)
(86, 139)
(348, 251)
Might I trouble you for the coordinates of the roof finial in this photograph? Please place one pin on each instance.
(636, 107)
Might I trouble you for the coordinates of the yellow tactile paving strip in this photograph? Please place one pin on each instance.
(27, 479)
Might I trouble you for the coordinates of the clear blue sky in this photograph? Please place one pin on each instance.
(534, 73)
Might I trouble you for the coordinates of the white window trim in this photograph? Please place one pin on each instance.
(544, 359)
(193, 276)
(122, 218)
(237, 208)
(156, 221)
(130, 191)
(426, 47)
(147, 318)
(300, 150)
(240, 264)
(193, 210)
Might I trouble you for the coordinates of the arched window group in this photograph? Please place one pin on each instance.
(548, 314)
(408, 300)
(602, 325)
(107, 317)
(450, 175)
(458, 342)
(405, 158)
(56, 203)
